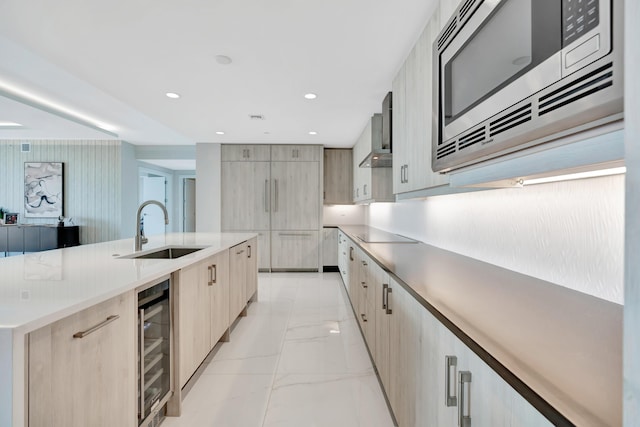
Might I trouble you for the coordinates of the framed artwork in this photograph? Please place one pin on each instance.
(43, 189)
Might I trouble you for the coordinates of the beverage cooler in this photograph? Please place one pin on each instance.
(154, 353)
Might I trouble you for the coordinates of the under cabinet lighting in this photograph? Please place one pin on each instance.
(310, 95)
(219, 132)
(172, 95)
(313, 132)
(579, 175)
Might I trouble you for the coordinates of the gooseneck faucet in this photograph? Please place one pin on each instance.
(140, 237)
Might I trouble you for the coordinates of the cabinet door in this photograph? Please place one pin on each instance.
(15, 239)
(329, 246)
(343, 257)
(218, 286)
(245, 153)
(383, 325)
(338, 176)
(3, 239)
(245, 196)
(399, 130)
(404, 354)
(295, 250)
(295, 198)
(48, 238)
(252, 268)
(296, 153)
(237, 280)
(193, 319)
(89, 381)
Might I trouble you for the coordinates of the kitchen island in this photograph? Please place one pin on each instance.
(41, 288)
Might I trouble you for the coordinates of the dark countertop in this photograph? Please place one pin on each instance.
(564, 345)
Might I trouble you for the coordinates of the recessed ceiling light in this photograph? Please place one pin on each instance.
(10, 125)
(173, 95)
(313, 132)
(310, 95)
(223, 59)
(219, 132)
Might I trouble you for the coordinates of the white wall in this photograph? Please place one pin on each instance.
(208, 187)
(343, 214)
(129, 191)
(569, 233)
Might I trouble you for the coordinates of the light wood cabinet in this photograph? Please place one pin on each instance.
(293, 153)
(295, 250)
(412, 115)
(383, 326)
(338, 176)
(343, 256)
(202, 315)
(88, 381)
(295, 195)
(243, 277)
(245, 153)
(279, 190)
(370, 184)
(329, 247)
(246, 196)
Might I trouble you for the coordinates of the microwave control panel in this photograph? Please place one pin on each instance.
(578, 18)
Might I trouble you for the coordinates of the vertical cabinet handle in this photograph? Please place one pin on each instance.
(364, 317)
(450, 397)
(275, 186)
(249, 251)
(351, 253)
(385, 287)
(464, 409)
(364, 190)
(402, 174)
(266, 195)
(389, 311)
(406, 174)
(213, 274)
(364, 285)
(141, 409)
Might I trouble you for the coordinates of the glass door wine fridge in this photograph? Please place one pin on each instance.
(154, 353)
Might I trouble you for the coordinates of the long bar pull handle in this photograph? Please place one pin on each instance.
(249, 251)
(450, 398)
(141, 409)
(275, 208)
(351, 253)
(385, 295)
(295, 234)
(406, 174)
(464, 409)
(266, 195)
(213, 274)
(389, 311)
(91, 330)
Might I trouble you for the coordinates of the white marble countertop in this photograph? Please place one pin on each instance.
(566, 346)
(39, 288)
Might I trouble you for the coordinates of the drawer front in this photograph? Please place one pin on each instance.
(295, 250)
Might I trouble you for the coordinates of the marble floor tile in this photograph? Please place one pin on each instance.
(225, 400)
(297, 359)
(327, 401)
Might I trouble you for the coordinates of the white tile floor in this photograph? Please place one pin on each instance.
(286, 365)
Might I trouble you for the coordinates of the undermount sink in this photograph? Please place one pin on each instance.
(166, 253)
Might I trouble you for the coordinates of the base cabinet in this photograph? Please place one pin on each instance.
(295, 250)
(202, 294)
(429, 375)
(243, 271)
(87, 381)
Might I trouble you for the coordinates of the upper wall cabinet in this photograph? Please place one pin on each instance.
(295, 153)
(412, 108)
(338, 176)
(370, 184)
(246, 153)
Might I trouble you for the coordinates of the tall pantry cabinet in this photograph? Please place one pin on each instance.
(276, 192)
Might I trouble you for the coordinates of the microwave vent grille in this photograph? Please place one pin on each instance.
(471, 138)
(586, 85)
(446, 150)
(510, 120)
(466, 8)
(442, 41)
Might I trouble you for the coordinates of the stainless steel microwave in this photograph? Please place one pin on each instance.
(510, 74)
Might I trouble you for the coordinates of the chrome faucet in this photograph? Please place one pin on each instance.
(140, 237)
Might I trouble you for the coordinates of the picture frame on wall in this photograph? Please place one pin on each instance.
(43, 189)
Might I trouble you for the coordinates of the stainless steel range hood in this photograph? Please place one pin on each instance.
(380, 155)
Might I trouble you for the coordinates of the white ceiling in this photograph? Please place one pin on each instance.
(114, 61)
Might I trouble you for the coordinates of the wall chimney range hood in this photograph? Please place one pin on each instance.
(380, 155)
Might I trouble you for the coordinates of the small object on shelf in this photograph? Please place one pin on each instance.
(60, 221)
(10, 218)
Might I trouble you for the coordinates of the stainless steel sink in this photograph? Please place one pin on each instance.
(166, 253)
